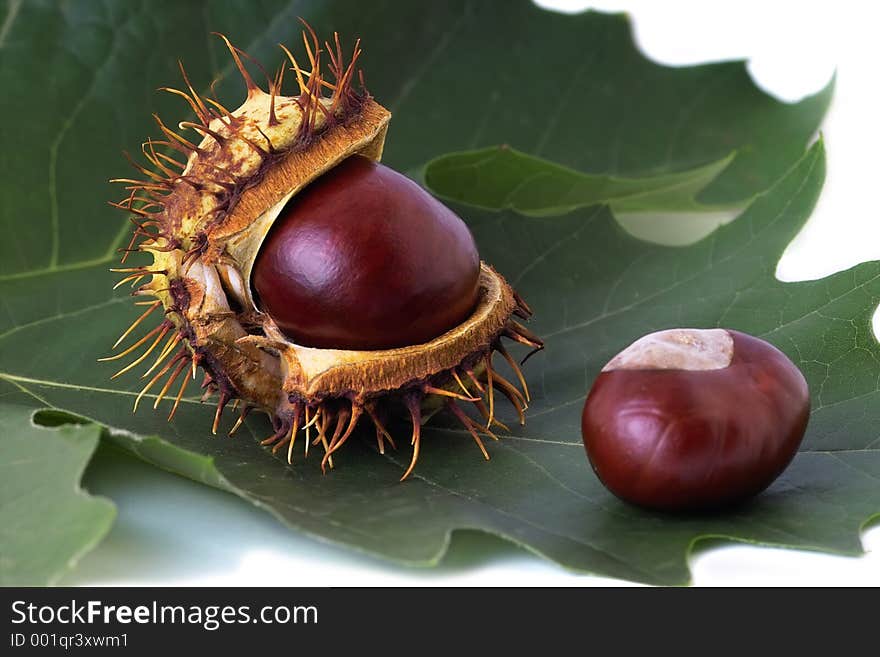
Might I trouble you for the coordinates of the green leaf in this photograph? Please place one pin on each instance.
(80, 79)
(504, 179)
(46, 521)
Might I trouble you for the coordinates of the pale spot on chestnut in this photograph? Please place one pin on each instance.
(676, 349)
(689, 418)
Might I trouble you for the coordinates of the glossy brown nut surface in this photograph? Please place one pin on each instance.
(681, 438)
(364, 258)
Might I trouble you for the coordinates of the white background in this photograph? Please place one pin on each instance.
(172, 531)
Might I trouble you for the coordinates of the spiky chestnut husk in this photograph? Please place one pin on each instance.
(204, 221)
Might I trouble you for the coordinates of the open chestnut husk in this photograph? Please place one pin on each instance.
(308, 281)
(694, 419)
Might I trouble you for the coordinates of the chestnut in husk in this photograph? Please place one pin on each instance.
(364, 258)
(692, 419)
(308, 281)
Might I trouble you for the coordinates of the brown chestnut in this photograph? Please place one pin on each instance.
(693, 419)
(364, 258)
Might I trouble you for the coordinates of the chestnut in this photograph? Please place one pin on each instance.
(694, 418)
(364, 258)
(307, 280)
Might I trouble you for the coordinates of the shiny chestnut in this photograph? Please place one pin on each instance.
(364, 258)
(693, 419)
